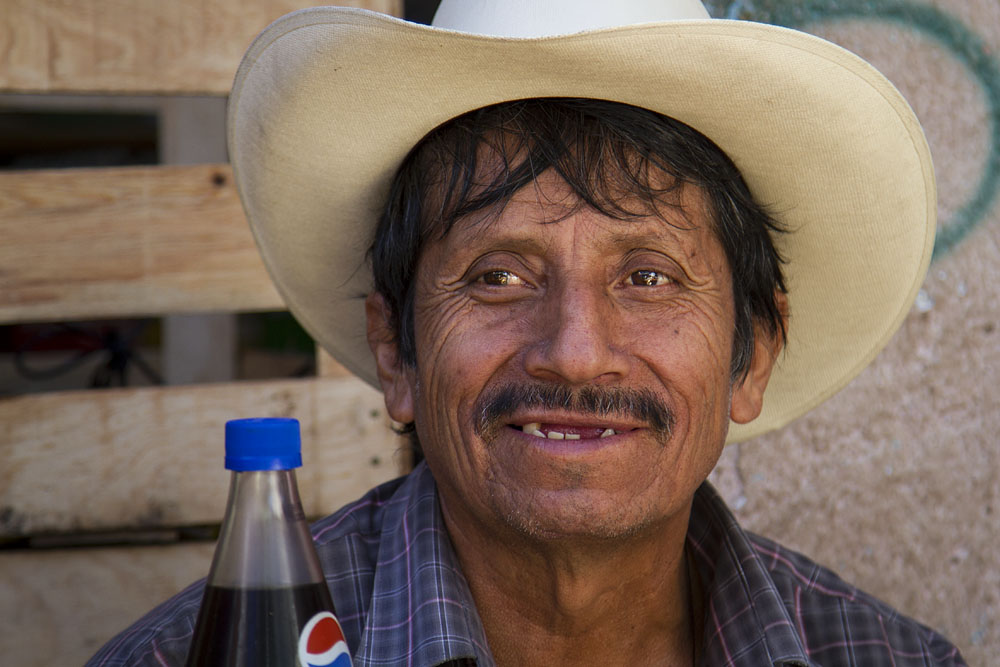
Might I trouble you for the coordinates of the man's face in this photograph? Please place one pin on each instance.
(568, 303)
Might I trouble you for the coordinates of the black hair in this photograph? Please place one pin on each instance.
(612, 155)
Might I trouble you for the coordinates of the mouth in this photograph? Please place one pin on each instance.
(555, 412)
(568, 431)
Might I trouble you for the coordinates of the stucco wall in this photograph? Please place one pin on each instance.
(895, 482)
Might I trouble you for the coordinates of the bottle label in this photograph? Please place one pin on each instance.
(322, 644)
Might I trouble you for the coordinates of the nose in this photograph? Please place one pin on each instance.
(577, 331)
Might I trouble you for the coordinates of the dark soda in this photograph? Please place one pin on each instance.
(266, 601)
(255, 627)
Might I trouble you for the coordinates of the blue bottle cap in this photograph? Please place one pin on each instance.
(263, 444)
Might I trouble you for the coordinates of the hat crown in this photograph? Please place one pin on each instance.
(531, 18)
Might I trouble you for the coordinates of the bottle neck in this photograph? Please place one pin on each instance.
(272, 494)
(264, 541)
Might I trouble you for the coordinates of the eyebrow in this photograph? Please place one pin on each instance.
(525, 245)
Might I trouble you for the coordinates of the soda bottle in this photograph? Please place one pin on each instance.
(266, 601)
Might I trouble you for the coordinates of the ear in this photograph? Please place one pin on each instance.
(748, 395)
(393, 375)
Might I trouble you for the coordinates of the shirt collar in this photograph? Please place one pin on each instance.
(747, 623)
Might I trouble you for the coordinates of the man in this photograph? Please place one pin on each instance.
(577, 296)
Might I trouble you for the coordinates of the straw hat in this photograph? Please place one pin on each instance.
(328, 101)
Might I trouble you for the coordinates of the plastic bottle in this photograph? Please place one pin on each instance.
(266, 601)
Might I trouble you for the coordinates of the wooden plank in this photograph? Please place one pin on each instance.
(142, 458)
(135, 46)
(96, 243)
(84, 597)
(328, 367)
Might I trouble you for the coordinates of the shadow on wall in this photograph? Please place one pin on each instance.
(421, 11)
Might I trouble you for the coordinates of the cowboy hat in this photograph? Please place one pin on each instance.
(328, 101)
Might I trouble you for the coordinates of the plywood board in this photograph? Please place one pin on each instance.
(97, 243)
(135, 46)
(144, 458)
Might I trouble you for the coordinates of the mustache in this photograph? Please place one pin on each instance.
(495, 408)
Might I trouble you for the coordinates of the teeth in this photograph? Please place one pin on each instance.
(535, 429)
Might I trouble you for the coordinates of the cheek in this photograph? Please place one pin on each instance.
(688, 337)
(689, 353)
(454, 332)
(461, 347)
(459, 353)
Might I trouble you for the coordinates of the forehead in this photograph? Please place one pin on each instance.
(680, 212)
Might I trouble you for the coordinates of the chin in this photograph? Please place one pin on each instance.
(576, 514)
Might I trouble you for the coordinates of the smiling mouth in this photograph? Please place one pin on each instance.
(553, 432)
(588, 413)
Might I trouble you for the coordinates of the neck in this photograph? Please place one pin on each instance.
(583, 602)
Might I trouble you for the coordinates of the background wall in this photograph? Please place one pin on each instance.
(895, 482)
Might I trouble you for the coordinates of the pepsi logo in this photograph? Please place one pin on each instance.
(321, 643)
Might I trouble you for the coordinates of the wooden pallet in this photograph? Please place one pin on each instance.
(139, 465)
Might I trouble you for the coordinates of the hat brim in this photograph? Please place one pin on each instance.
(328, 101)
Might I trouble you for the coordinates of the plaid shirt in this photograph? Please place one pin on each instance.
(402, 599)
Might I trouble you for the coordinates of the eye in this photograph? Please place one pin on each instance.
(499, 277)
(648, 278)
